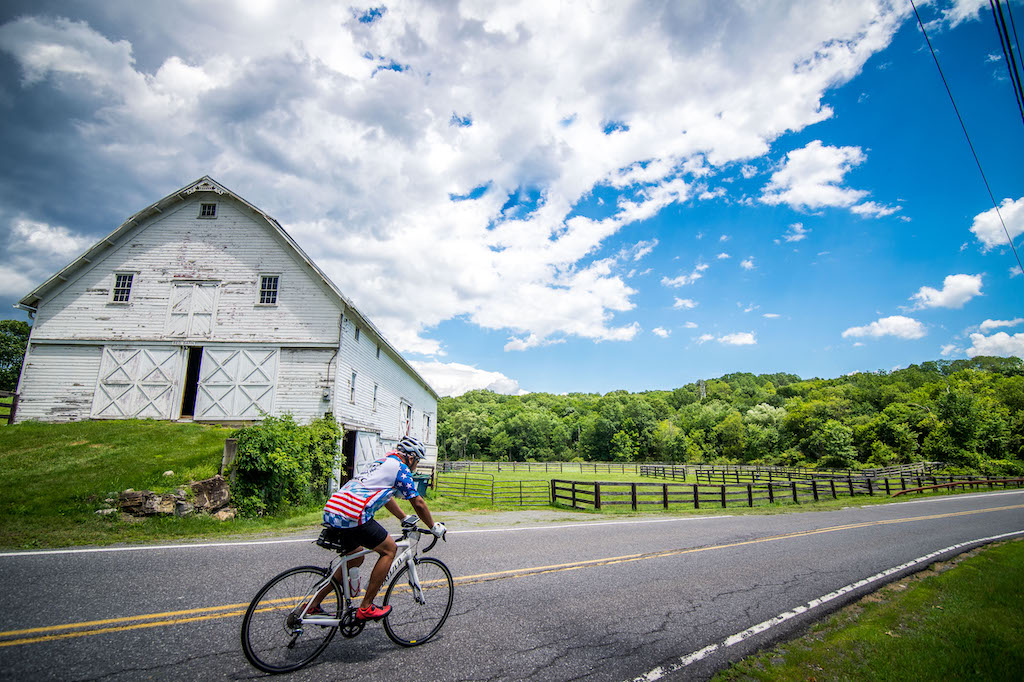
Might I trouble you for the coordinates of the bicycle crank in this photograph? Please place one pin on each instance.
(350, 626)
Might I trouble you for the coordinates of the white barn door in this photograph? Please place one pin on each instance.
(192, 309)
(137, 383)
(236, 382)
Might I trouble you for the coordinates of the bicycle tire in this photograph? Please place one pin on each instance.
(271, 639)
(411, 623)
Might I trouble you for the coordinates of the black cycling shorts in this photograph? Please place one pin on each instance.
(368, 535)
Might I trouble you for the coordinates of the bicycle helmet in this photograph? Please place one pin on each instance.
(411, 447)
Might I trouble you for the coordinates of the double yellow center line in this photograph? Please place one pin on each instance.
(153, 620)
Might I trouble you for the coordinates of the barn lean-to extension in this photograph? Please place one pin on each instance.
(202, 307)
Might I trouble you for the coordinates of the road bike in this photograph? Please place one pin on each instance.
(280, 635)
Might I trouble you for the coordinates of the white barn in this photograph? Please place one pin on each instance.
(201, 307)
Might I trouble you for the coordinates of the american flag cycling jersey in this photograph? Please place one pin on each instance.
(359, 499)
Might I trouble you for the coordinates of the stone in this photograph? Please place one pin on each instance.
(212, 494)
(104, 512)
(182, 507)
(168, 473)
(225, 514)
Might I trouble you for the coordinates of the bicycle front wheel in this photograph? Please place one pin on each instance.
(273, 638)
(418, 612)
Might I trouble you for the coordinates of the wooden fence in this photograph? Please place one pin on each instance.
(475, 486)
(763, 474)
(8, 406)
(549, 467)
(601, 494)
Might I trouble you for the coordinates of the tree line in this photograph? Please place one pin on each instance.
(966, 413)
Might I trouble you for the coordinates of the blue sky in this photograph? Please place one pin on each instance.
(554, 197)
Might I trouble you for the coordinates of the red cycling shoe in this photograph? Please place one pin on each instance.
(372, 612)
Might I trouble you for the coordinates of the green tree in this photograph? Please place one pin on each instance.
(13, 341)
(832, 445)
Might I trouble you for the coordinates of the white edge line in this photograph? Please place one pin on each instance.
(661, 671)
(139, 548)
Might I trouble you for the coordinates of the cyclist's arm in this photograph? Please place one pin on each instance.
(395, 510)
(422, 511)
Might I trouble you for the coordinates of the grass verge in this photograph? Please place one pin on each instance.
(939, 624)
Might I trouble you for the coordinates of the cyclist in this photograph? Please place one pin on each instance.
(351, 510)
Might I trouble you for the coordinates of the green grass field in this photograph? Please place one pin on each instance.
(960, 624)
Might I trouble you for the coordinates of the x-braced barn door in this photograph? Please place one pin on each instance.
(136, 382)
(192, 309)
(236, 382)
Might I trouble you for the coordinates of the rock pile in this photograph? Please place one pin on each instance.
(199, 497)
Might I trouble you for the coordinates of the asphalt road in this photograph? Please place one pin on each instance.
(565, 598)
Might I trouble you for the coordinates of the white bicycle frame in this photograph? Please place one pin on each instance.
(406, 557)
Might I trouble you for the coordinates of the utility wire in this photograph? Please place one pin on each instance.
(1011, 60)
(964, 127)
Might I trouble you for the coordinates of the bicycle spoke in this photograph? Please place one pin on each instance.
(413, 621)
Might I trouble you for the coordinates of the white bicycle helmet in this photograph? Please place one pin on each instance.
(411, 447)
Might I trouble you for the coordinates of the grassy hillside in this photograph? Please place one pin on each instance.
(55, 477)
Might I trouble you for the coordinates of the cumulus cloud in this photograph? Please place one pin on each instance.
(956, 291)
(812, 178)
(747, 264)
(950, 349)
(771, 316)
(683, 280)
(704, 338)
(685, 303)
(988, 229)
(796, 232)
(989, 325)
(663, 333)
(35, 251)
(690, 325)
(897, 325)
(998, 344)
(442, 130)
(722, 256)
(454, 379)
(738, 339)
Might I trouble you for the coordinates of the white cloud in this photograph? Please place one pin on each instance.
(950, 349)
(685, 303)
(722, 256)
(870, 209)
(896, 325)
(989, 325)
(998, 344)
(690, 325)
(663, 333)
(704, 338)
(683, 280)
(35, 251)
(795, 233)
(748, 264)
(723, 238)
(738, 339)
(344, 132)
(454, 379)
(771, 316)
(956, 291)
(988, 229)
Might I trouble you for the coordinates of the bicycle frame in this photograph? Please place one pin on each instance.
(407, 556)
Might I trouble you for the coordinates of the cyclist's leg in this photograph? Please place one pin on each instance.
(387, 551)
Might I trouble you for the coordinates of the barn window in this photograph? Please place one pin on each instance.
(207, 210)
(352, 389)
(426, 428)
(122, 287)
(268, 289)
(375, 387)
(357, 334)
(378, 351)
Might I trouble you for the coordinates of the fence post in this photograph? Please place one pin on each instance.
(849, 479)
(696, 497)
(597, 495)
(771, 492)
(553, 498)
(814, 488)
(574, 494)
(870, 491)
(723, 496)
(633, 491)
(750, 495)
(664, 494)
(14, 409)
(887, 486)
(797, 501)
(226, 460)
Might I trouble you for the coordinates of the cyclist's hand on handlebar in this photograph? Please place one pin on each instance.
(439, 530)
(410, 521)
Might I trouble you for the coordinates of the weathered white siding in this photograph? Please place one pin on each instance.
(59, 383)
(302, 380)
(229, 253)
(394, 385)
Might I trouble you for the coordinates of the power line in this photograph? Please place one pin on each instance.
(1004, 42)
(964, 128)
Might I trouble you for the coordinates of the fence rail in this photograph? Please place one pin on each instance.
(475, 486)
(600, 494)
(8, 406)
(549, 467)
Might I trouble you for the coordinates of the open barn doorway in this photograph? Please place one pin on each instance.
(191, 386)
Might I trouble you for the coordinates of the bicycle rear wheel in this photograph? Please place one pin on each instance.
(417, 614)
(273, 638)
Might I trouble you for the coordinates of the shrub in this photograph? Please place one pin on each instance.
(281, 463)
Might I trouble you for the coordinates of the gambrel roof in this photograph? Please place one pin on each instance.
(207, 184)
